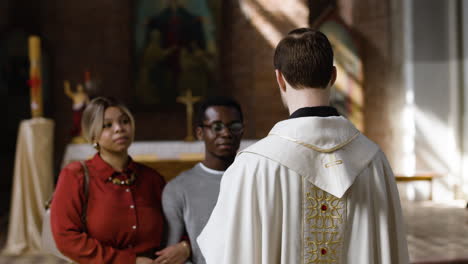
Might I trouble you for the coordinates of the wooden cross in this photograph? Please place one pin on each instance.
(189, 101)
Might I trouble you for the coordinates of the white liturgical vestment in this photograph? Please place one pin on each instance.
(315, 190)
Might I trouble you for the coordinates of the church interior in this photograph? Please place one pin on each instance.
(402, 69)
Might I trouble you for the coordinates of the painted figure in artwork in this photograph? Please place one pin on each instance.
(152, 75)
(176, 46)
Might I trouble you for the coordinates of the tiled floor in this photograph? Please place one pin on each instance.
(30, 260)
(437, 233)
(33, 259)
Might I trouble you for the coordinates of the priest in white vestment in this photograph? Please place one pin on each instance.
(315, 190)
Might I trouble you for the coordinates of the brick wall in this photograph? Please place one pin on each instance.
(249, 48)
(80, 35)
(98, 35)
(376, 26)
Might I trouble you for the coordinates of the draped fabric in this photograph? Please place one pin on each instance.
(32, 185)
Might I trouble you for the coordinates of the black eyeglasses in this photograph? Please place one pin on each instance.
(235, 127)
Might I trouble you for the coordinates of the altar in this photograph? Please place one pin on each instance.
(168, 157)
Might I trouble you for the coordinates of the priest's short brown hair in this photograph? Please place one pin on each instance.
(305, 58)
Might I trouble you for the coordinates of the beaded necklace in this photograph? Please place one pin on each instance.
(126, 182)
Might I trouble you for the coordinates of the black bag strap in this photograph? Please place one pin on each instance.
(86, 193)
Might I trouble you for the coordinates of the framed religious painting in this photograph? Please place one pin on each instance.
(176, 49)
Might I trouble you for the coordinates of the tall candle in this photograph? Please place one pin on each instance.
(35, 76)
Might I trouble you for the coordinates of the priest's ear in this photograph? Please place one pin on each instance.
(199, 132)
(280, 80)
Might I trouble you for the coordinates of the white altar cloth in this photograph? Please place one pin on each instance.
(145, 150)
(32, 185)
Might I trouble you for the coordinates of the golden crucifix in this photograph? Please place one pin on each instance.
(188, 100)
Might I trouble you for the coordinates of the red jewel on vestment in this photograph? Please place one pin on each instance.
(324, 207)
(323, 251)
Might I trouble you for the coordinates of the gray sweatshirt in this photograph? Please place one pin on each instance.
(187, 203)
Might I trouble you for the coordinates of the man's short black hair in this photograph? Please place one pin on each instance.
(305, 58)
(217, 101)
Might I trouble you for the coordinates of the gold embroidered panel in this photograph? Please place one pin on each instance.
(324, 220)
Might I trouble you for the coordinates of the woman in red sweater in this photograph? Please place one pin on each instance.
(124, 218)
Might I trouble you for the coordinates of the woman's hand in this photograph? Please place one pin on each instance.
(175, 254)
(143, 260)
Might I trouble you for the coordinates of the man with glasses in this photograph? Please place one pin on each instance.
(315, 190)
(189, 199)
